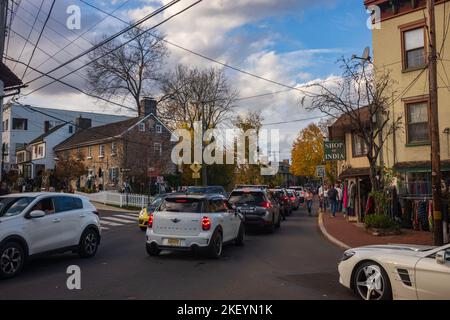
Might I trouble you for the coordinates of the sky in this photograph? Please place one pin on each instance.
(293, 42)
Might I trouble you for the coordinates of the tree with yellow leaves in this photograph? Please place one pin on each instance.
(307, 151)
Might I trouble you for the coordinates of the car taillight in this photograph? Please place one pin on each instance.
(265, 204)
(285, 198)
(206, 223)
(150, 221)
(292, 198)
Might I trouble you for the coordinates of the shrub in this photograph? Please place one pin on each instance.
(380, 222)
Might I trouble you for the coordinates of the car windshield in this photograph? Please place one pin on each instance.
(243, 197)
(11, 206)
(181, 205)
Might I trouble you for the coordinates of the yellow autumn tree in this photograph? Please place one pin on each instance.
(307, 151)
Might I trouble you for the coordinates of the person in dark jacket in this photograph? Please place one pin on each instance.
(333, 199)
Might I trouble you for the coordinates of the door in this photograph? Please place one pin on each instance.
(49, 232)
(433, 279)
(70, 211)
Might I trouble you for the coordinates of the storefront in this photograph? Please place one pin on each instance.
(356, 187)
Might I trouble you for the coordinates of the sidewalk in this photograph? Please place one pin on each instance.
(101, 206)
(347, 234)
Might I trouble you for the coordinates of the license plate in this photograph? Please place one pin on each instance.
(248, 210)
(174, 242)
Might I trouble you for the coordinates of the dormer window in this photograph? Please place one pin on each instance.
(158, 128)
(142, 127)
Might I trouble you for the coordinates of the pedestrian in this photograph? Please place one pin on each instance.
(321, 200)
(339, 197)
(326, 202)
(309, 201)
(333, 198)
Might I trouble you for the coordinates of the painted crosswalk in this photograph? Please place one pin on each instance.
(118, 220)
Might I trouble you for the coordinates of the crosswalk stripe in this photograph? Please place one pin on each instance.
(112, 224)
(104, 228)
(133, 214)
(125, 217)
(117, 220)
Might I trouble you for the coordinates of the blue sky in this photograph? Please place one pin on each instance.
(289, 41)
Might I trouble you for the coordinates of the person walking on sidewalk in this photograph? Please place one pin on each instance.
(309, 201)
(321, 200)
(333, 199)
(339, 197)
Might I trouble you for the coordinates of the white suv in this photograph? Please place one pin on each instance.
(194, 222)
(39, 223)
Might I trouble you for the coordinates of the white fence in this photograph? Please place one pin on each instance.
(118, 199)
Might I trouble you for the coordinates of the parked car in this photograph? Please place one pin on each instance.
(258, 208)
(384, 272)
(149, 209)
(295, 200)
(194, 222)
(33, 224)
(207, 190)
(280, 195)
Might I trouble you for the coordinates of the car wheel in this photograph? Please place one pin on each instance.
(152, 250)
(241, 235)
(215, 245)
(88, 244)
(371, 282)
(12, 258)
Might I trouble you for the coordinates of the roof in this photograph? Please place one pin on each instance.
(87, 136)
(344, 123)
(8, 77)
(46, 134)
(195, 196)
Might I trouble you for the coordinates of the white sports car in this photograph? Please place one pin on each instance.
(384, 272)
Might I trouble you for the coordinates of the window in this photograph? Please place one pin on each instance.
(414, 48)
(158, 128)
(67, 204)
(360, 148)
(54, 123)
(142, 127)
(90, 152)
(6, 125)
(113, 174)
(12, 206)
(113, 148)
(157, 148)
(70, 129)
(45, 205)
(217, 205)
(417, 122)
(101, 151)
(19, 124)
(38, 151)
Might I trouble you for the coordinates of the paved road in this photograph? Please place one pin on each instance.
(294, 263)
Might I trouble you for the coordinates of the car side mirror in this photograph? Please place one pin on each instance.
(35, 214)
(441, 257)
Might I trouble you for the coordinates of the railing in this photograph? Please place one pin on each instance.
(118, 199)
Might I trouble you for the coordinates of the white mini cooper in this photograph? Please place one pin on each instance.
(194, 222)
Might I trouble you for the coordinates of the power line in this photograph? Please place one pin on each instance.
(109, 39)
(29, 34)
(39, 38)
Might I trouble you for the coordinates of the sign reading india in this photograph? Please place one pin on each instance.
(334, 150)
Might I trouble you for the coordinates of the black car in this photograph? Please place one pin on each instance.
(258, 208)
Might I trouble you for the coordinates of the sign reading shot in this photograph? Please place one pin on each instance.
(334, 150)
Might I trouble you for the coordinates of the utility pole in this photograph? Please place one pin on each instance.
(434, 127)
(204, 169)
(3, 23)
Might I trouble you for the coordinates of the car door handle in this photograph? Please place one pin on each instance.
(56, 220)
(82, 215)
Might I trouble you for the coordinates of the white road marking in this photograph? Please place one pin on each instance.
(125, 217)
(133, 214)
(112, 224)
(118, 220)
(104, 228)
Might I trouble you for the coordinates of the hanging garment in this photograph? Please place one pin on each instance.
(345, 198)
(430, 215)
(422, 215)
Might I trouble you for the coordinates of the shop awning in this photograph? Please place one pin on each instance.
(419, 166)
(354, 173)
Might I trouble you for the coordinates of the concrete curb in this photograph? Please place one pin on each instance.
(102, 206)
(329, 236)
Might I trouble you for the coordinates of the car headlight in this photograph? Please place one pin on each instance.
(347, 255)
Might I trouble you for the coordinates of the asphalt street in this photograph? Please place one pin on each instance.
(296, 262)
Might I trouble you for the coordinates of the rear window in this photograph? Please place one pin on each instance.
(182, 205)
(241, 197)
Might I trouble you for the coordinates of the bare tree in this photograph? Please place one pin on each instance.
(189, 92)
(129, 71)
(363, 96)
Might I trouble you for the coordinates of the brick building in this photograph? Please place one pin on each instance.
(136, 151)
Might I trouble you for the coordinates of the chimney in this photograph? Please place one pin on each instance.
(147, 106)
(82, 123)
(46, 126)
